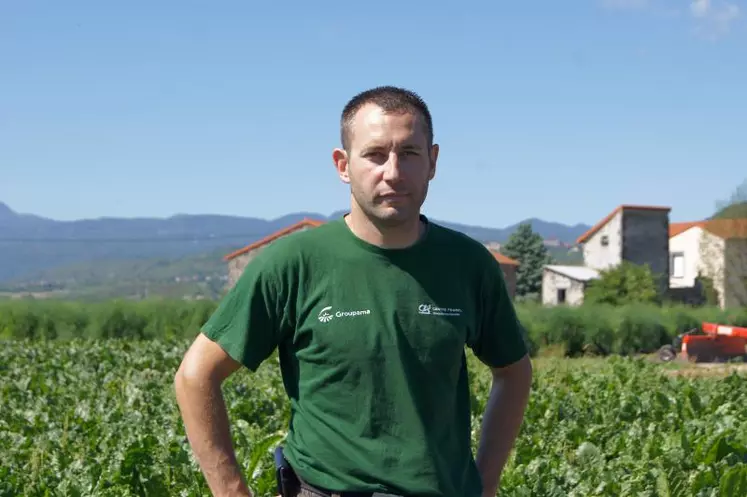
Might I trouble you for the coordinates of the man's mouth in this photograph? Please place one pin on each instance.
(392, 195)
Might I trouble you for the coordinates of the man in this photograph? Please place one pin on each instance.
(370, 314)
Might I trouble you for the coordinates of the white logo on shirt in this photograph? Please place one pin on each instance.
(432, 310)
(325, 315)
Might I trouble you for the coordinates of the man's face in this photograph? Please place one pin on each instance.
(389, 164)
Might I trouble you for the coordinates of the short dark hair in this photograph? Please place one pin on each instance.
(390, 99)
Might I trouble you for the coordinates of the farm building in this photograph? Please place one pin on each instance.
(509, 267)
(566, 284)
(238, 260)
(638, 234)
(716, 249)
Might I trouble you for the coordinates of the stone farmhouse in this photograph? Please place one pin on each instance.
(634, 233)
(677, 253)
(716, 249)
(239, 259)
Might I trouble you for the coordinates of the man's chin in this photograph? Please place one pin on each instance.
(393, 216)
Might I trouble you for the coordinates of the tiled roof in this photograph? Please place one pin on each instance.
(304, 223)
(727, 228)
(722, 228)
(585, 237)
(502, 259)
(678, 228)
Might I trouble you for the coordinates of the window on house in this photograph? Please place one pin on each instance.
(605, 240)
(561, 296)
(678, 265)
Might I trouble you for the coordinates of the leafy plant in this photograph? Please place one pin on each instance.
(624, 284)
(97, 417)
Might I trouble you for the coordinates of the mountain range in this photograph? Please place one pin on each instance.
(31, 245)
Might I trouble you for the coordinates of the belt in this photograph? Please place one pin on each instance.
(287, 470)
(331, 493)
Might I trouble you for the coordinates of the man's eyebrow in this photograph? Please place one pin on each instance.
(372, 147)
(411, 146)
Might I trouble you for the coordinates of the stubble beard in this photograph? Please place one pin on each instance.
(390, 216)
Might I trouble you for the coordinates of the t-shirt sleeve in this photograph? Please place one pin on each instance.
(251, 319)
(500, 338)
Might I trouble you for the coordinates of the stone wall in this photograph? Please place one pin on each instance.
(735, 273)
(552, 282)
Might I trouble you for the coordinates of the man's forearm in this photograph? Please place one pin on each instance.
(501, 423)
(206, 423)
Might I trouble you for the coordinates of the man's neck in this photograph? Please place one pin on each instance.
(394, 237)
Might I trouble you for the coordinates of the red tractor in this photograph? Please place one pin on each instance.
(711, 343)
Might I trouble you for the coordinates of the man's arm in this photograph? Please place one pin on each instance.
(198, 392)
(502, 420)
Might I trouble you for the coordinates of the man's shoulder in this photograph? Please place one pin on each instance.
(463, 244)
(294, 245)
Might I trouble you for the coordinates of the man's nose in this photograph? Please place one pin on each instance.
(392, 170)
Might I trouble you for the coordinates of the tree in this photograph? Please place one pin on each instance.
(735, 207)
(529, 249)
(626, 283)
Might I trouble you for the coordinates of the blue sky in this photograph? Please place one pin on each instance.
(556, 110)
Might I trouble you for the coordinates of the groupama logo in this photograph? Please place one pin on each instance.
(324, 315)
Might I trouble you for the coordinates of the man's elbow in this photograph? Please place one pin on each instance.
(184, 376)
(520, 372)
(205, 365)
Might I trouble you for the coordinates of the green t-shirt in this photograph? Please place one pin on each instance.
(371, 344)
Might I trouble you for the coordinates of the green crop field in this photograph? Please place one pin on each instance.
(88, 407)
(98, 417)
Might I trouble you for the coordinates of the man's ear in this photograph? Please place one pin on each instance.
(340, 159)
(434, 161)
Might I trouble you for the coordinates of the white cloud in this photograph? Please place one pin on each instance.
(714, 19)
(700, 8)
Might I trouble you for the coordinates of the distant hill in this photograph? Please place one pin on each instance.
(31, 245)
(191, 276)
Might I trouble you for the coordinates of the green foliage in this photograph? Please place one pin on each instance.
(601, 329)
(528, 248)
(620, 427)
(598, 329)
(624, 284)
(99, 417)
(710, 293)
(736, 206)
(733, 211)
(54, 319)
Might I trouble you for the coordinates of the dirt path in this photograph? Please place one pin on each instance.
(704, 370)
